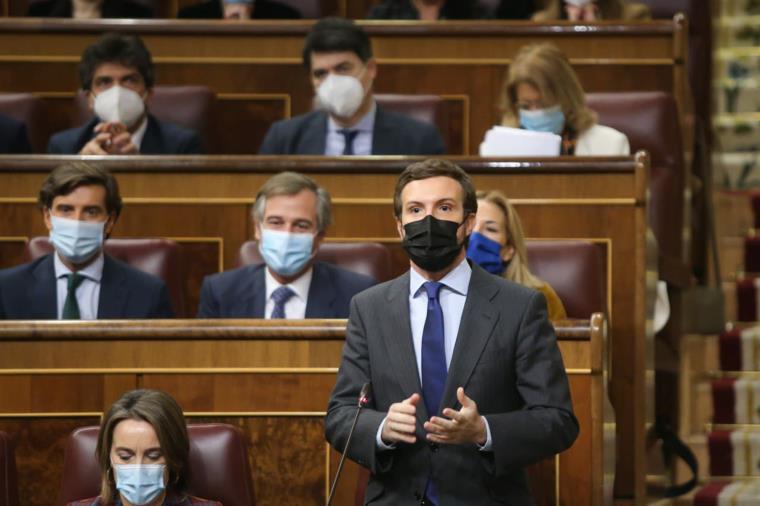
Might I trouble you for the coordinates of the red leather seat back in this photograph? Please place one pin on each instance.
(368, 258)
(160, 257)
(188, 106)
(576, 272)
(28, 109)
(8, 477)
(420, 107)
(219, 468)
(650, 119)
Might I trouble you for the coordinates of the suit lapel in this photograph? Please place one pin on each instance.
(314, 136)
(383, 135)
(253, 294)
(44, 290)
(479, 318)
(321, 298)
(151, 142)
(398, 341)
(113, 292)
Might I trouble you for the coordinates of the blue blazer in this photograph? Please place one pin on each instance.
(28, 292)
(394, 134)
(160, 139)
(13, 138)
(241, 292)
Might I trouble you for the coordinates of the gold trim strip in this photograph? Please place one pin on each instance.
(581, 371)
(14, 238)
(339, 201)
(188, 414)
(432, 60)
(172, 370)
(327, 471)
(556, 480)
(747, 452)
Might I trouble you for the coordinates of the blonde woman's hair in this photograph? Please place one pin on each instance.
(547, 69)
(517, 270)
(554, 9)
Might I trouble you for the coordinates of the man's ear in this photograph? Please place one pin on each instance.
(257, 232)
(46, 219)
(400, 228)
(318, 240)
(372, 68)
(469, 223)
(110, 223)
(90, 99)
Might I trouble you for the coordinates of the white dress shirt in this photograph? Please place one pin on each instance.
(295, 307)
(452, 298)
(336, 141)
(137, 136)
(88, 291)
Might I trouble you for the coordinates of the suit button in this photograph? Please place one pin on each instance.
(434, 447)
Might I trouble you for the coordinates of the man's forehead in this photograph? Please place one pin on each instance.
(433, 188)
(332, 58)
(114, 69)
(91, 193)
(303, 202)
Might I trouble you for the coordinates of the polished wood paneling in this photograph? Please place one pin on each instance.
(277, 394)
(452, 58)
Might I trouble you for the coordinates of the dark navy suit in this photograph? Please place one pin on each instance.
(241, 293)
(29, 292)
(393, 134)
(160, 139)
(13, 139)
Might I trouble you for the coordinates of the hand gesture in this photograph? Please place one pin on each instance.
(401, 421)
(459, 427)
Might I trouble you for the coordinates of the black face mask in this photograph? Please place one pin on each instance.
(432, 243)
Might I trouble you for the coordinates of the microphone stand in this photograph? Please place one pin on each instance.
(363, 400)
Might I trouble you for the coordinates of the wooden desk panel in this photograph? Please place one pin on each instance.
(253, 374)
(262, 60)
(597, 199)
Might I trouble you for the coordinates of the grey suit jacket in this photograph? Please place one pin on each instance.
(393, 134)
(507, 359)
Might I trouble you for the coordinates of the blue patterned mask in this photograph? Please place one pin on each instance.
(551, 119)
(285, 253)
(486, 253)
(140, 484)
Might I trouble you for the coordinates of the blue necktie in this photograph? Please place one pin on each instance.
(280, 297)
(350, 135)
(433, 362)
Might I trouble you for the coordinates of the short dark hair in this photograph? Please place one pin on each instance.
(127, 50)
(163, 413)
(332, 35)
(292, 183)
(433, 167)
(66, 178)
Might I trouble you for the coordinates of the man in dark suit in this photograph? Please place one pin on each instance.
(226, 9)
(13, 138)
(291, 214)
(80, 205)
(117, 73)
(468, 384)
(338, 55)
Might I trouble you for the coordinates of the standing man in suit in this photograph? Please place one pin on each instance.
(291, 214)
(468, 384)
(338, 55)
(13, 138)
(80, 204)
(117, 74)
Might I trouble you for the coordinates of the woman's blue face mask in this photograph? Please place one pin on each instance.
(486, 253)
(550, 119)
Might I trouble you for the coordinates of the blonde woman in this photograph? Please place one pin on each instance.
(498, 245)
(592, 10)
(542, 93)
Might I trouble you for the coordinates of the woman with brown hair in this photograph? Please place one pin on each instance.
(497, 244)
(143, 451)
(542, 93)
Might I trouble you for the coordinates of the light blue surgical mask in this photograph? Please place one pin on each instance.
(75, 240)
(551, 119)
(285, 253)
(486, 253)
(140, 484)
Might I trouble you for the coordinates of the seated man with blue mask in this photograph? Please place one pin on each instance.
(117, 73)
(342, 70)
(80, 203)
(290, 215)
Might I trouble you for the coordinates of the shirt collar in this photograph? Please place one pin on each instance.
(365, 124)
(137, 136)
(299, 286)
(458, 280)
(94, 271)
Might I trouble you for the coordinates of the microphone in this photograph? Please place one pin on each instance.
(363, 400)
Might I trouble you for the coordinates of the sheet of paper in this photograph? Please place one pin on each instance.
(507, 141)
